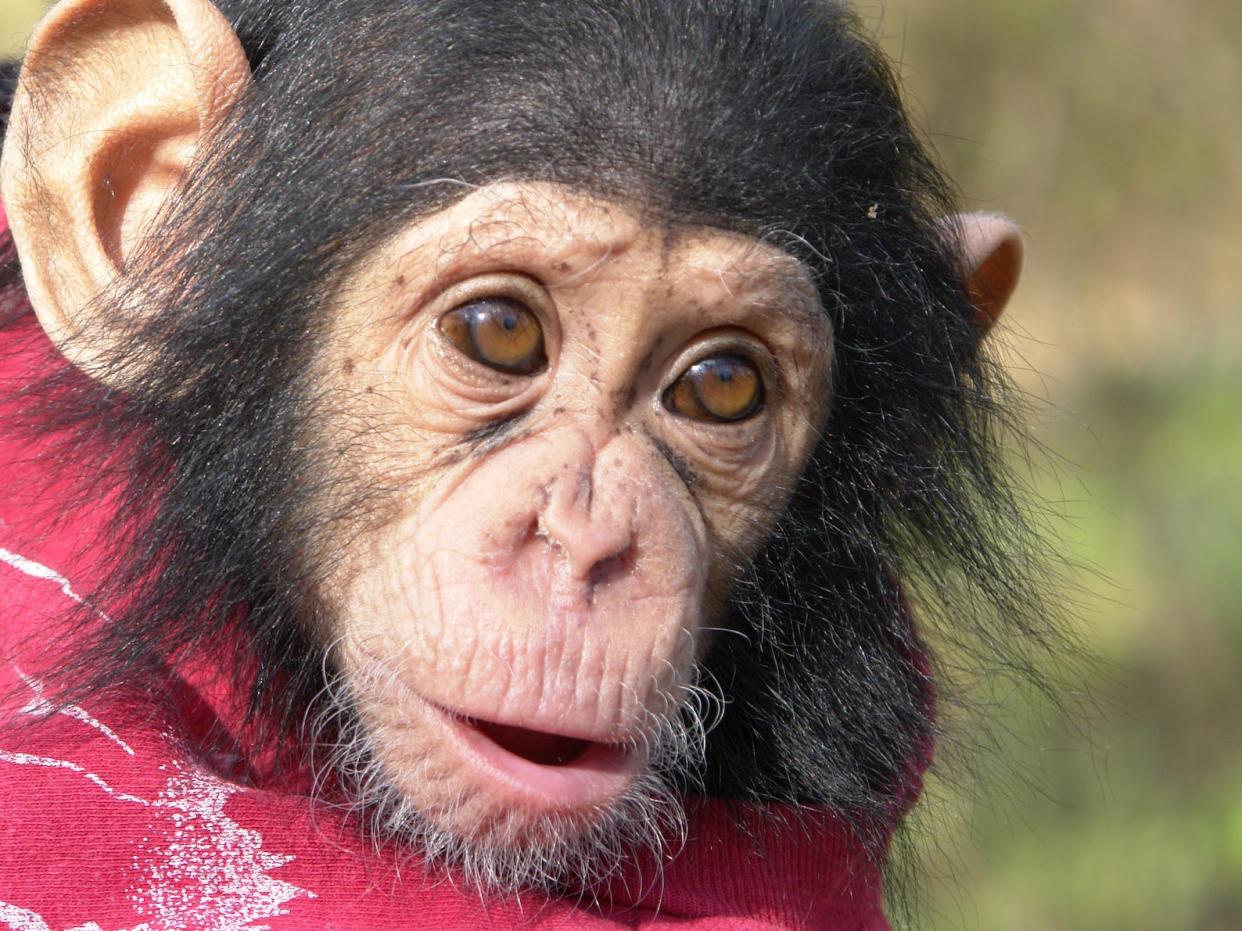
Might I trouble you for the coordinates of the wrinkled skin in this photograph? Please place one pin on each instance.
(558, 575)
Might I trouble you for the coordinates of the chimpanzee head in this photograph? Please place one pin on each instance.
(540, 409)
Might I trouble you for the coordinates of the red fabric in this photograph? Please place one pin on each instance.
(105, 823)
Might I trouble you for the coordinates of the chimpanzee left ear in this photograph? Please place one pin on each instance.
(992, 251)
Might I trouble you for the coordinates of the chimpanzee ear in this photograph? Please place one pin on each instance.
(992, 253)
(114, 98)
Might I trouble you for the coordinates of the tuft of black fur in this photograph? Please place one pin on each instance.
(773, 118)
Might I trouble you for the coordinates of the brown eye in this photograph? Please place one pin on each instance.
(498, 333)
(724, 388)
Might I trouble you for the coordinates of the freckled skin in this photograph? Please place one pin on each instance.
(560, 576)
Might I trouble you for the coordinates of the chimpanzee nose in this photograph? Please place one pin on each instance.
(591, 526)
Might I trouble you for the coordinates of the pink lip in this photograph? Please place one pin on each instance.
(600, 774)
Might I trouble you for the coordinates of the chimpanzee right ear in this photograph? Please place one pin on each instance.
(114, 99)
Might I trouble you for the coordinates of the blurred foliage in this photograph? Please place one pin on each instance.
(1113, 130)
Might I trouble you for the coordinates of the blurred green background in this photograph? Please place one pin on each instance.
(1112, 129)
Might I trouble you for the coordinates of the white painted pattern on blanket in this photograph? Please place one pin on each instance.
(39, 571)
(207, 871)
(39, 706)
(23, 919)
(199, 869)
(196, 868)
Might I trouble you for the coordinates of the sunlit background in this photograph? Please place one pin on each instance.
(1112, 129)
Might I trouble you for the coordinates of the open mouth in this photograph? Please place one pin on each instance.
(536, 746)
(545, 769)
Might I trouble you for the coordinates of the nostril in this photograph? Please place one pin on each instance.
(612, 568)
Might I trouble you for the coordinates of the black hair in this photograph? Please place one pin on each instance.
(778, 119)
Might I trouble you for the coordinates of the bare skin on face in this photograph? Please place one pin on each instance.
(588, 421)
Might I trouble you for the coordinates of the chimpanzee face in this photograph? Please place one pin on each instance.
(584, 422)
